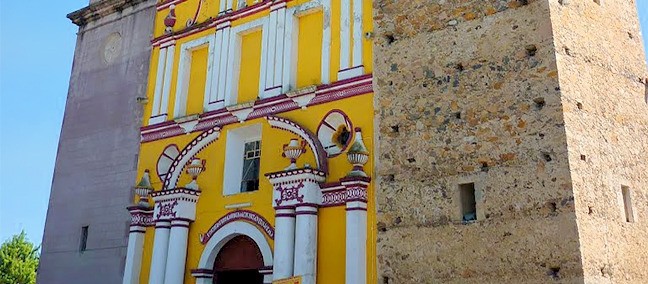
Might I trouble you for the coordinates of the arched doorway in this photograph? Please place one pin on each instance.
(238, 262)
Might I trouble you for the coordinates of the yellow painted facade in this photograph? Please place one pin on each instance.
(212, 202)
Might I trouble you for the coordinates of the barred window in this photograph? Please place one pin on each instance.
(251, 161)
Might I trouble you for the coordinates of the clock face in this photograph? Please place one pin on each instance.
(334, 132)
(112, 47)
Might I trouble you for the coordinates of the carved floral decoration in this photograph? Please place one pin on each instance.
(290, 193)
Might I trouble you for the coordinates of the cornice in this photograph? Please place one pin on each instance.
(98, 10)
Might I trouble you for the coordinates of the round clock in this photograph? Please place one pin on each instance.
(112, 47)
(334, 132)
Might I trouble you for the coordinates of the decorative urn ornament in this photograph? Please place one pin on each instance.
(170, 20)
(292, 151)
(143, 188)
(194, 169)
(358, 155)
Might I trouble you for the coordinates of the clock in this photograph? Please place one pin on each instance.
(112, 47)
(334, 132)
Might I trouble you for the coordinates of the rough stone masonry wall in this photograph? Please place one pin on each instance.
(601, 71)
(97, 154)
(467, 90)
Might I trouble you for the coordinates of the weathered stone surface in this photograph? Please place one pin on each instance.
(97, 155)
(473, 91)
(601, 70)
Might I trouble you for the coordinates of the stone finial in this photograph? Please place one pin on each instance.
(358, 155)
(195, 167)
(143, 188)
(292, 151)
(170, 20)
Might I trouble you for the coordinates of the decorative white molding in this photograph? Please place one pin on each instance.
(184, 71)
(238, 205)
(228, 232)
(357, 33)
(193, 148)
(234, 57)
(162, 85)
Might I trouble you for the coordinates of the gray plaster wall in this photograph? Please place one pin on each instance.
(97, 154)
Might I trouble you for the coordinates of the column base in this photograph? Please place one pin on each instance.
(352, 72)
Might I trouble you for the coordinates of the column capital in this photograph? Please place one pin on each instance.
(141, 217)
(175, 204)
(295, 187)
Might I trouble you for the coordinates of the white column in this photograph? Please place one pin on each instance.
(306, 243)
(134, 257)
(160, 251)
(284, 246)
(141, 217)
(356, 243)
(175, 266)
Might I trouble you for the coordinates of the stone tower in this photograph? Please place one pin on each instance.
(86, 231)
(528, 116)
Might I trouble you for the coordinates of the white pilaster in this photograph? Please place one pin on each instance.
(345, 35)
(159, 84)
(279, 50)
(306, 243)
(133, 257)
(271, 54)
(223, 52)
(357, 33)
(356, 229)
(166, 89)
(351, 40)
(175, 266)
(326, 42)
(284, 248)
(160, 250)
(141, 217)
(212, 68)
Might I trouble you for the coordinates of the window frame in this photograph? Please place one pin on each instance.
(234, 153)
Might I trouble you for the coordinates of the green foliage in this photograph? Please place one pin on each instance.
(18, 261)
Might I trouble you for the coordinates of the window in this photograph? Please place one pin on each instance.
(468, 204)
(627, 204)
(251, 160)
(242, 160)
(84, 239)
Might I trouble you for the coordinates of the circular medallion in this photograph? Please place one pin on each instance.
(112, 47)
(334, 132)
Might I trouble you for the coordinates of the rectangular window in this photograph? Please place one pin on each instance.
(250, 67)
(84, 239)
(251, 162)
(468, 204)
(242, 160)
(627, 204)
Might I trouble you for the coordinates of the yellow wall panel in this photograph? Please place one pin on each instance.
(309, 50)
(248, 84)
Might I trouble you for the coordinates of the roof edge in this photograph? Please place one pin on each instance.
(98, 10)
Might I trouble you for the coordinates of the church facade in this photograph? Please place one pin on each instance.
(256, 146)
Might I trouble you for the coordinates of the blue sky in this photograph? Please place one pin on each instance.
(36, 47)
